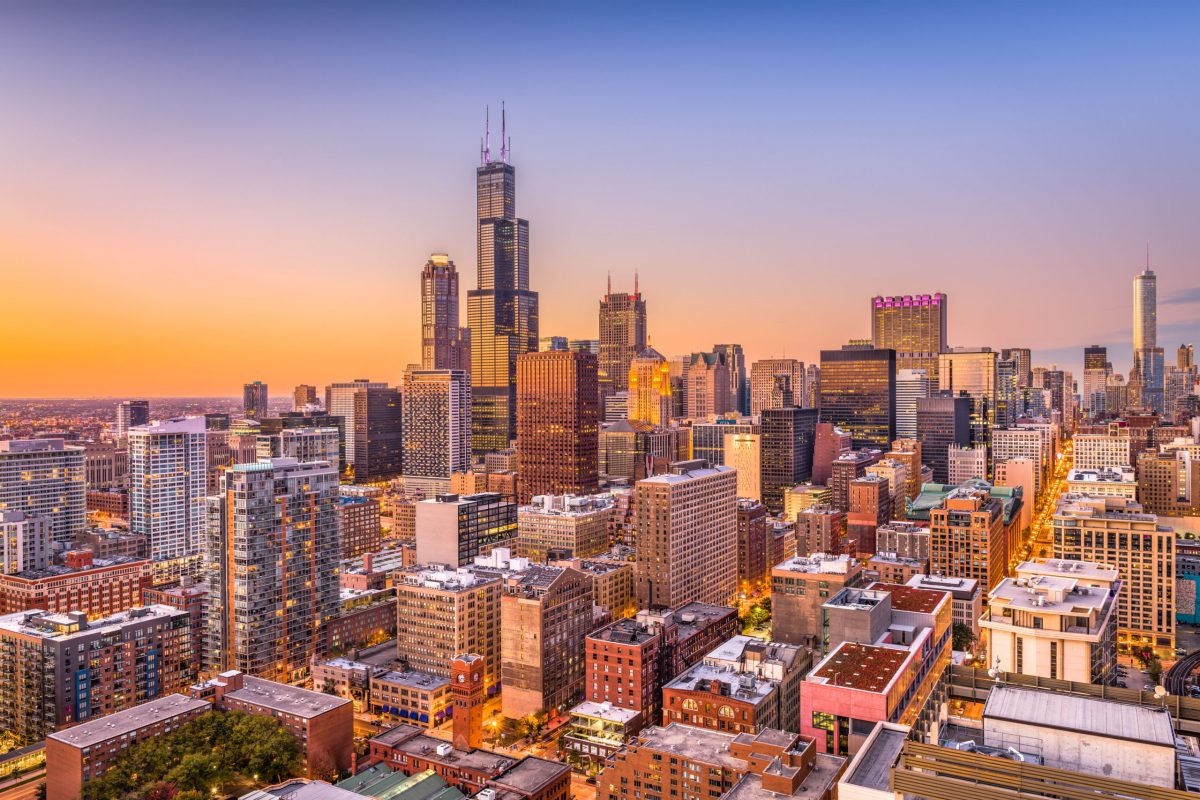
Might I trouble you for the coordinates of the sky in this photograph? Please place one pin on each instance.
(197, 195)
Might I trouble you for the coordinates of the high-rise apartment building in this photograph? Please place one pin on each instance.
(911, 385)
(60, 669)
(45, 477)
(912, 325)
(858, 393)
(968, 537)
(304, 397)
(1147, 355)
(763, 383)
(622, 337)
(444, 345)
(788, 439)
(708, 386)
(437, 428)
(25, 542)
(558, 424)
(131, 413)
(649, 388)
(545, 617)
(168, 462)
(686, 536)
(271, 564)
(739, 378)
(502, 312)
(1116, 531)
(254, 400)
(942, 422)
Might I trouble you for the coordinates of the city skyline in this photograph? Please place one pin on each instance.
(320, 176)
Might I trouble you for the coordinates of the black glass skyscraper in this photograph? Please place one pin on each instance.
(502, 313)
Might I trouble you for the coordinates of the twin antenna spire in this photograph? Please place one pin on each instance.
(485, 146)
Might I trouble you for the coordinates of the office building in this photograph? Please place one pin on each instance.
(304, 397)
(622, 338)
(444, 345)
(973, 372)
(686, 536)
(1019, 473)
(788, 440)
(502, 312)
(373, 425)
(360, 529)
(1096, 370)
(106, 465)
(799, 588)
(771, 764)
(558, 419)
(967, 598)
(739, 379)
(302, 444)
(911, 385)
(895, 472)
(453, 529)
(1101, 451)
(131, 657)
(848, 468)
(437, 428)
(545, 617)
(1112, 482)
(870, 505)
(912, 325)
(1023, 442)
(254, 400)
(830, 444)
(753, 547)
(443, 613)
(649, 386)
(167, 487)
(563, 527)
(271, 565)
(1117, 532)
(743, 452)
(341, 400)
(764, 378)
(745, 686)
(96, 587)
(708, 383)
(1055, 619)
(1169, 482)
(130, 414)
(821, 528)
(708, 438)
(904, 539)
(942, 422)
(45, 477)
(858, 393)
(965, 463)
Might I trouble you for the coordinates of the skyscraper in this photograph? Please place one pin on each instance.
(558, 424)
(622, 337)
(303, 397)
(942, 422)
(858, 393)
(788, 436)
(911, 386)
(707, 381)
(1147, 355)
(763, 375)
(168, 460)
(373, 427)
(129, 414)
(912, 325)
(974, 371)
(650, 388)
(502, 312)
(739, 383)
(46, 478)
(444, 345)
(254, 400)
(1185, 357)
(1023, 359)
(437, 427)
(1095, 379)
(271, 566)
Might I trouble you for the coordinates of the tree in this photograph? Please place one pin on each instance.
(962, 637)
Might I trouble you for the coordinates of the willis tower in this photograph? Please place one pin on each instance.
(502, 312)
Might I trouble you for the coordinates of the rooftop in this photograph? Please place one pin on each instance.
(670, 479)
(411, 740)
(818, 562)
(1081, 713)
(61, 570)
(605, 711)
(909, 598)
(872, 766)
(530, 774)
(38, 622)
(959, 588)
(624, 631)
(866, 667)
(412, 679)
(1107, 475)
(128, 721)
(738, 685)
(303, 703)
(173, 425)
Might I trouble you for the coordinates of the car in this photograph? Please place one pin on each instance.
(1149, 687)
(591, 779)
(1121, 685)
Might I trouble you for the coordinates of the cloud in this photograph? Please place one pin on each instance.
(1182, 297)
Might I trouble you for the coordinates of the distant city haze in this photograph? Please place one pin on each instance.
(193, 197)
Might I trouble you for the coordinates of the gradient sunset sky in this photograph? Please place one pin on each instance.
(197, 195)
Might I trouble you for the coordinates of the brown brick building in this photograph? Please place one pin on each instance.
(96, 587)
(558, 422)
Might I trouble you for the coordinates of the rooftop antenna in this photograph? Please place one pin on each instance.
(635, 283)
(487, 132)
(503, 134)
(1147, 256)
(610, 281)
